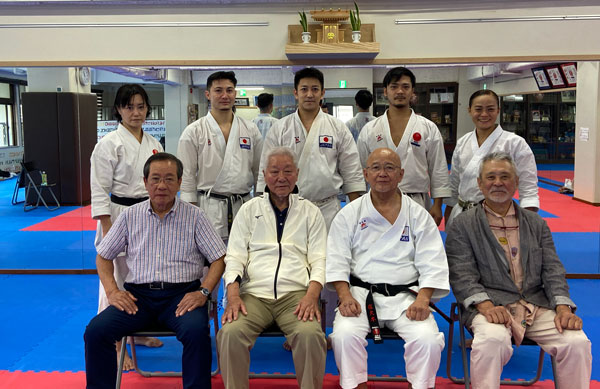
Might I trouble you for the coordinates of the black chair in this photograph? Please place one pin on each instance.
(387, 334)
(456, 312)
(30, 178)
(159, 332)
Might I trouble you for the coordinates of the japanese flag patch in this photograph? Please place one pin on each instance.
(404, 236)
(245, 143)
(326, 141)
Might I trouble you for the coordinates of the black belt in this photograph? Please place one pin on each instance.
(126, 201)
(384, 289)
(161, 285)
(230, 200)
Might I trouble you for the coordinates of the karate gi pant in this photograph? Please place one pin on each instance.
(110, 325)
(422, 350)
(329, 208)
(492, 349)
(119, 263)
(235, 340)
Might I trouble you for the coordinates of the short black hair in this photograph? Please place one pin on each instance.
(264, 100)
(163, 157)
(363, 99)
(309, 73)
(124, 95)
(395, 74)
(484, 92)
(221, 75)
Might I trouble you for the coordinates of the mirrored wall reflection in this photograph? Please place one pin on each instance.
(53, 117)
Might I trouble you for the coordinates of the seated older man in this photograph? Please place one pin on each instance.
(386, 260)
(167, 242)
(505, 272)
(275, 270)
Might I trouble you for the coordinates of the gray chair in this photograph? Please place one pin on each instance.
(31, 179)
(456, 312)
(158, 332)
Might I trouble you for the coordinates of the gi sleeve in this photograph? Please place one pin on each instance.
(317, 245)
(436, 165)
(116, 240)
(339, 249)
(363, 145)
(258, 147)
(430, 256)
(271, 141)
(237, 256)
(464, 273)
(187, 151)
(103, 163)
(349, 162)
(527, 172)
(456, 171)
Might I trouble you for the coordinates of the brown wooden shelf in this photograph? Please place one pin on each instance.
(367, 49)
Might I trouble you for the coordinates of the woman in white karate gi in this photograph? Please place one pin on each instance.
(488, 136)
(117, 165)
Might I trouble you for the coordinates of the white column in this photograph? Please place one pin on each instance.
(587, 142)
(177, 98)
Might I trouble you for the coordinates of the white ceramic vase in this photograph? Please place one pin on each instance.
(306, 37)
(355, 36)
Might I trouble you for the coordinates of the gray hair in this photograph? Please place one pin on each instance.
(283, 151)
(498, 156)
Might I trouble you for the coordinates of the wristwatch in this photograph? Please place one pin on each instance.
(204, 291)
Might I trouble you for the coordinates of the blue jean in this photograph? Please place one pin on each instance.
(154, 307)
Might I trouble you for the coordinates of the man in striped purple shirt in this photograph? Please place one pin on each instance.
(167, 242)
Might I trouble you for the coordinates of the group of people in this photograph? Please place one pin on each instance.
(378, 262)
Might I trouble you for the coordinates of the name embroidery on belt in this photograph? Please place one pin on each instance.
(245, 143)
(326, 141)
(404, 237)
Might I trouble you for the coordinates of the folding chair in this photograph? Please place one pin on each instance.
(275, 331)
(33, 178)
(159, 332)
(456, 312)
(387, 334)
(20, 184)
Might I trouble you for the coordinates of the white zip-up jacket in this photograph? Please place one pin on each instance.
(268, 268)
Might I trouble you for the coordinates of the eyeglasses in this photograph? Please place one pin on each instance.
(376, 168)
(158, 180)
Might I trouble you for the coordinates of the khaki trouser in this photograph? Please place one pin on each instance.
(492, 349)
(307, 340)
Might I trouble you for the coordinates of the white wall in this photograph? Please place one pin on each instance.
(187, 45)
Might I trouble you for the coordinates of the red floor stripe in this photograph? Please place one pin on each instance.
(79, 219)
(556, 175)
(70, 380)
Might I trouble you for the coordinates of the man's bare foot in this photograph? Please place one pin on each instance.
(147, 341)
(127, 362)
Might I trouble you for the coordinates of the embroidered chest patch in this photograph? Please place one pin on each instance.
(379, 138)
(208, 142)
(404, 237)
(326, 141)
(245, 143)
(363, 224)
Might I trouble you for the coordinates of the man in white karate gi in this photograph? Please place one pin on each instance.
(416, 139)
(363, 100)
(388, 243)
(264, 120)
(328, 158)
(221, 155)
